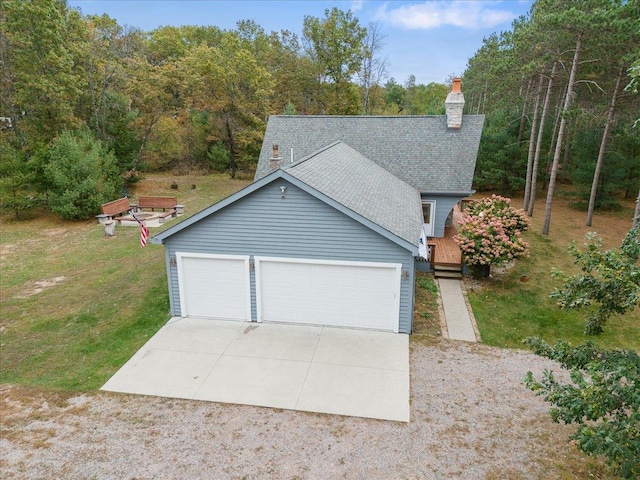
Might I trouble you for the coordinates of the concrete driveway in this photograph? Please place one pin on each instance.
(339, 371)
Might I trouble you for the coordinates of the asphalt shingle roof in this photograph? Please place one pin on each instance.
(349, 178)
(418, 149)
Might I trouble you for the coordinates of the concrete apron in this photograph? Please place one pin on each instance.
(339, 371)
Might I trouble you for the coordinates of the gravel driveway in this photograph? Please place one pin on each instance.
(471, 418)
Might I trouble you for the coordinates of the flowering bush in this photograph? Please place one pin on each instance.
(490, 232)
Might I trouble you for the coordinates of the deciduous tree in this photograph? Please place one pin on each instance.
(336, 44)
(609, 279)
(229, 84)
(43, 40)
(374, 66)
(602, 399)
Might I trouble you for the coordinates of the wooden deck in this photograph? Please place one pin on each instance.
(445, 250)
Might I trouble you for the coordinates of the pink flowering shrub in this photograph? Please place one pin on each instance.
(490, 232)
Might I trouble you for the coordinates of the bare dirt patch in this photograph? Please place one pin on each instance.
(6, 250)
(54, 232)
(33, 288)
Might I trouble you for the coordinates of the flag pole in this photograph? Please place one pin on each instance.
(144, 232)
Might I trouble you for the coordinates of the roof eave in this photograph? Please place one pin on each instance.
(162, 236)
(464, 193)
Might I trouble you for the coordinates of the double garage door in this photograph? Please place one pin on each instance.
(347, 294)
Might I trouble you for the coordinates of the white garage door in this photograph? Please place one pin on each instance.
(214, 286)
(348, 294)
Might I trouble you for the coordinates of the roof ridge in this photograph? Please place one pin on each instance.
(314, 154)
(418, 149)
(373, 164)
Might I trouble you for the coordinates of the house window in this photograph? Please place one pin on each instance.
(429, 214)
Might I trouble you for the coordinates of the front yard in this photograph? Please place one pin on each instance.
(76, 304)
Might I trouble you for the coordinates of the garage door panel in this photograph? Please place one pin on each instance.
(353, 294)
(214, 286)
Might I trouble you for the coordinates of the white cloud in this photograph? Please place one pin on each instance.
(433, 14)
(356, 5)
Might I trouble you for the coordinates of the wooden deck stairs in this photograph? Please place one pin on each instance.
(447, 271)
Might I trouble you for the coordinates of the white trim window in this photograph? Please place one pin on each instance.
(429, 215)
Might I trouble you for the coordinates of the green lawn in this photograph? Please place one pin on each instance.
(507, 309)
(76, 304)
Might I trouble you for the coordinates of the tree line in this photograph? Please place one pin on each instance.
(86, 104)
(561, 104)
(83, 97)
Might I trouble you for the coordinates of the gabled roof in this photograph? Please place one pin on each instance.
(418, 149)
(354, 181)
(345, 179)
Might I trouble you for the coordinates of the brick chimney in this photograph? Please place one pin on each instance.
(276, 160)
(454, 104)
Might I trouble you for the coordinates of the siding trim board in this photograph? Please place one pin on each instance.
(413, 248)
(448, 194)
(366, 188)
(162, 236)
(445, 204)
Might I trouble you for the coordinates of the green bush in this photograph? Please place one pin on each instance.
(81, 175)
(219, 157)
(610, 280)
(490, 233)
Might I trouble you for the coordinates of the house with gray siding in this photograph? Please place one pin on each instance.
(329, 231)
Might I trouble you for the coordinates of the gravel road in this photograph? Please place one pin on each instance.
(471, 418)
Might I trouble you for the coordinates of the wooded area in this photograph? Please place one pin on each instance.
(561, 103)
(86, 104)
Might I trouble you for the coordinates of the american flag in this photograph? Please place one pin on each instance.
(144, 233)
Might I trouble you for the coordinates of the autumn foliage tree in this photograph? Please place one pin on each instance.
(163, 99)
(336, 45)
(491, 234)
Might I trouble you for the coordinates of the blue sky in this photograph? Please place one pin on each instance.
(429, 39)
